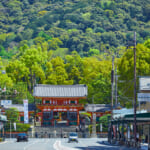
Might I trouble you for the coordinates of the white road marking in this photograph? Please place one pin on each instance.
(30, 145)
(3, 142)
(57, 146)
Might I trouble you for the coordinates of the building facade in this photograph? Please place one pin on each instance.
(98, 109)
(60, 103)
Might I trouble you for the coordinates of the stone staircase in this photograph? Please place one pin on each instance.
(57, 129)
(54, 132)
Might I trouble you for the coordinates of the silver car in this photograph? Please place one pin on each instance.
(73, 136)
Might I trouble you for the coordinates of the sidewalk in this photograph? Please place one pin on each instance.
(143, 146)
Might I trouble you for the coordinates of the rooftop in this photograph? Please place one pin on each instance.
(41, 90)
(97, 107)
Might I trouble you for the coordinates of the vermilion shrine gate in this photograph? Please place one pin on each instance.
(60, 103)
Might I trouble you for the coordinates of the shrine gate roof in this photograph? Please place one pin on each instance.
(41, 90)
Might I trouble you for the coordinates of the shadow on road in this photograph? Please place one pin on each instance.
(104, 146)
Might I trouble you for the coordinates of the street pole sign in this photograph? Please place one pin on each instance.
(15, 126)
(101, 127)
(25, 102)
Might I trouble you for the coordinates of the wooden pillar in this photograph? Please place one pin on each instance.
(78, 121)
(42, 119)
(116, 132)
(128, 132)
(4, 131)
(119, 135)
(122, 132)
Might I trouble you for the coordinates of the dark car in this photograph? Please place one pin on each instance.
(73, 136)
(22, 137)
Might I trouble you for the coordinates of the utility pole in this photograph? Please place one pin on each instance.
(135, 87)
(116, 96)
(112, 87)
(112, 92)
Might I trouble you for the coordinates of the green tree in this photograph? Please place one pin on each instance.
(12, 115)
(96, 74)
(55, 43)
(60, 71)
(93, 52)
(75, 75)
(104, 120)
(5, 81)
(34, 59)
(17, 71)
(126, 69)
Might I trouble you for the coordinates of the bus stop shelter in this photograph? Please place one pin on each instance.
(123, 129)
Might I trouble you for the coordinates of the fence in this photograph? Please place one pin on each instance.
(55, 135)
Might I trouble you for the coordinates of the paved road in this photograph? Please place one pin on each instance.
(58, 144)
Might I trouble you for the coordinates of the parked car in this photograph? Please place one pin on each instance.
(22, 137)
(73, 136)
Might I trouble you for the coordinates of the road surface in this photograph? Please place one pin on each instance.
(59, 144)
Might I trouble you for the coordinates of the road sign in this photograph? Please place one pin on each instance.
(143, 97)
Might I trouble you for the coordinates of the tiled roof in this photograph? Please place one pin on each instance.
(97, 107)
(41, 90)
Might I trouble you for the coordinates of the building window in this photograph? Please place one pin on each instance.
(73, 115)
(22, 118)
(47, 102)
(72, 102)
(56, 115)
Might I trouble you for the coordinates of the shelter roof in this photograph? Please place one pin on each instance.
(3, 118)
(141, 115)
(20, 107)
(140, 118)
(97, 107)
(123, 112)
(41, 90)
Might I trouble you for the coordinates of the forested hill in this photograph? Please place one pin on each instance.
(78, 25)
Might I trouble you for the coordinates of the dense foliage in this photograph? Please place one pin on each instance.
(72, 42)
(38, 65)
(104, 122)
(72, 24)
(12, 117)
